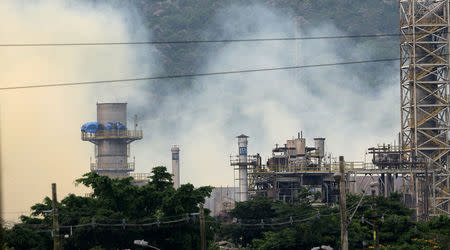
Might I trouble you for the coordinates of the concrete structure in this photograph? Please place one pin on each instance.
(243, 181)
(176, 166)
(111, 140)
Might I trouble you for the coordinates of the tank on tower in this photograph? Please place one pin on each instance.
(111, 138)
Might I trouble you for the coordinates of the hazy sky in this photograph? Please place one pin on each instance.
(41, 127)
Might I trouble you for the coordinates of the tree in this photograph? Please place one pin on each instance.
(317, 226)
(115, 201)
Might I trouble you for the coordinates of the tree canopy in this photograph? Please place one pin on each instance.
(314, 226)
(116, 201)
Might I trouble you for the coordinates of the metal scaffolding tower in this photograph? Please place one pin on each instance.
(424, 71)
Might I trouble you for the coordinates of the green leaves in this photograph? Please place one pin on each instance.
(114, 201)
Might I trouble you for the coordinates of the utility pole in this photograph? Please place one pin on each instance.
(343, 205)
(202, 227)
(56, 238)
(376, 237)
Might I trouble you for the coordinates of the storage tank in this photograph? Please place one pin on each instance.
(291, 144)
(319, 144)
(300, 145)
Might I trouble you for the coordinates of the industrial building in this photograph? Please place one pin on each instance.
(289, 168)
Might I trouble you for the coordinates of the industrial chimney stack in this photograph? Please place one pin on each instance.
(243, 163)
(176, 166)
(112, 139)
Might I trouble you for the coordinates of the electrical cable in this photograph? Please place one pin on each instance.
(206, 41)
(194, 74)
(204, 74)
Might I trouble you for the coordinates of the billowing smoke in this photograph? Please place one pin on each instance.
(40, 127)
(333, 102)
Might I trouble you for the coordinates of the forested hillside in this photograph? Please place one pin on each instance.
(175, 20)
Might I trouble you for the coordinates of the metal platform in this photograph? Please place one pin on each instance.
(126, 135)
(125, 167)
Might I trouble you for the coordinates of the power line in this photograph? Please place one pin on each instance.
(210, 41)
(197, 41)
(194, 74)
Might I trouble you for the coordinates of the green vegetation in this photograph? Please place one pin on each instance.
(112, 201)
(259, 223)
(180, 20)
(320, 225)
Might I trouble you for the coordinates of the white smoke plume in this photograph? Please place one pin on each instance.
(40, 127)
(270, 107)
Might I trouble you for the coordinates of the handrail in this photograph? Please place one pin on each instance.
(129, 166)
(140, 176)
(112, 134)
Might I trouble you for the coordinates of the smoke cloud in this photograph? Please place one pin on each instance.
(40, 127)
(333, 102)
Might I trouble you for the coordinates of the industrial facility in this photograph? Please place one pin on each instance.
(112, 140)
(289, 168)
(417, 167)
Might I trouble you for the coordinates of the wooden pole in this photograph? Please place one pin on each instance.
(56, 238)
(343, 205)
(202, 228)
(376, 237)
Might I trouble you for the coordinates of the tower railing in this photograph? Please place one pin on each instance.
(127, 166)
(112, 134)
(140, 176)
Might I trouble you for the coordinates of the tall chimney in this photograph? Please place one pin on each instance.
(243, 181)
(176, 166)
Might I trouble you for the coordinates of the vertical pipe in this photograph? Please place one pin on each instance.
(416, 191)
(176, 166)
(386, 185)
(433, 192)
(243, 180)
(243, 183)
(425, 198)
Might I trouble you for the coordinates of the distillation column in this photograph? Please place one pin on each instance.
(176, 166)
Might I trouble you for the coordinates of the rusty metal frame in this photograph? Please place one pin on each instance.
(424, 81)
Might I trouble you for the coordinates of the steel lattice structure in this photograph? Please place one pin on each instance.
(424, 72)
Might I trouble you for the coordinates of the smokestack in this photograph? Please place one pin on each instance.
(243, 181)
(176, 166)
